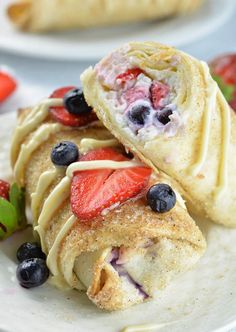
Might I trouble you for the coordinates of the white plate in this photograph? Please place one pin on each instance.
(202, 300)
(95, 43)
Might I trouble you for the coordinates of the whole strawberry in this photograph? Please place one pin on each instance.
(223, 70)
(4, 189)
(7, 85)
(12, 209)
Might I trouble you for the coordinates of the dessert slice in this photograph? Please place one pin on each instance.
(163, 105)
(108, 223)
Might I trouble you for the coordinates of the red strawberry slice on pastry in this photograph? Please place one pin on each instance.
(129, 75)
(60, 113)
(4, 189)
(159, 92)
(93, 191)
(7, 85)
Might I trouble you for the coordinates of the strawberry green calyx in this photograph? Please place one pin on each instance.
(227, 89)
(12, 212)
(17, 199)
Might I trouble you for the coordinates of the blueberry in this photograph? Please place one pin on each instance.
(75, 102)
(163, 116)
(128, 154)
(161, 198)
(32, 272)
(64, 153)
(29, 250)
(139, 114)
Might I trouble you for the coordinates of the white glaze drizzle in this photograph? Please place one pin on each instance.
(30, 123)
(87, 144)
(100, 164)
(147, 327)
(45, 180)
(52, 258)
(59, 194)
(209, 107)
(41, 135)
(212, 94)
(223, 168)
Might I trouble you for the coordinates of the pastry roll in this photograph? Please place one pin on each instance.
(124, 253)
(164, 105)
(45, 15)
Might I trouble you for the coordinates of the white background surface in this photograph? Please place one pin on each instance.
(206, 303)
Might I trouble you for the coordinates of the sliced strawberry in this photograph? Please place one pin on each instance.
(7, 85)
(137, 93)
(233, 101)
(129, 75)
(223, 71)
(159, 92)
(4, 189)
(60, 113)
(93, 191)
(225, 67)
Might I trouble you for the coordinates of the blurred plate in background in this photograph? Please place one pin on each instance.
(95, 43)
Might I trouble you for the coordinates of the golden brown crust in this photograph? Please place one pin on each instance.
(20, 13)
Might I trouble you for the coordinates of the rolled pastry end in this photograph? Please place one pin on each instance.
(19, 13)
(121, 276)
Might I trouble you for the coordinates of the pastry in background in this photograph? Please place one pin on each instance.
(49, 15)
(108, 223)
(164, 106)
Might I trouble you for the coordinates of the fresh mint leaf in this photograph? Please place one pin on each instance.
(8, 218)
(227, 89)
(17, 199)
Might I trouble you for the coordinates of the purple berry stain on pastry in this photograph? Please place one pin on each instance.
(120, 269)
